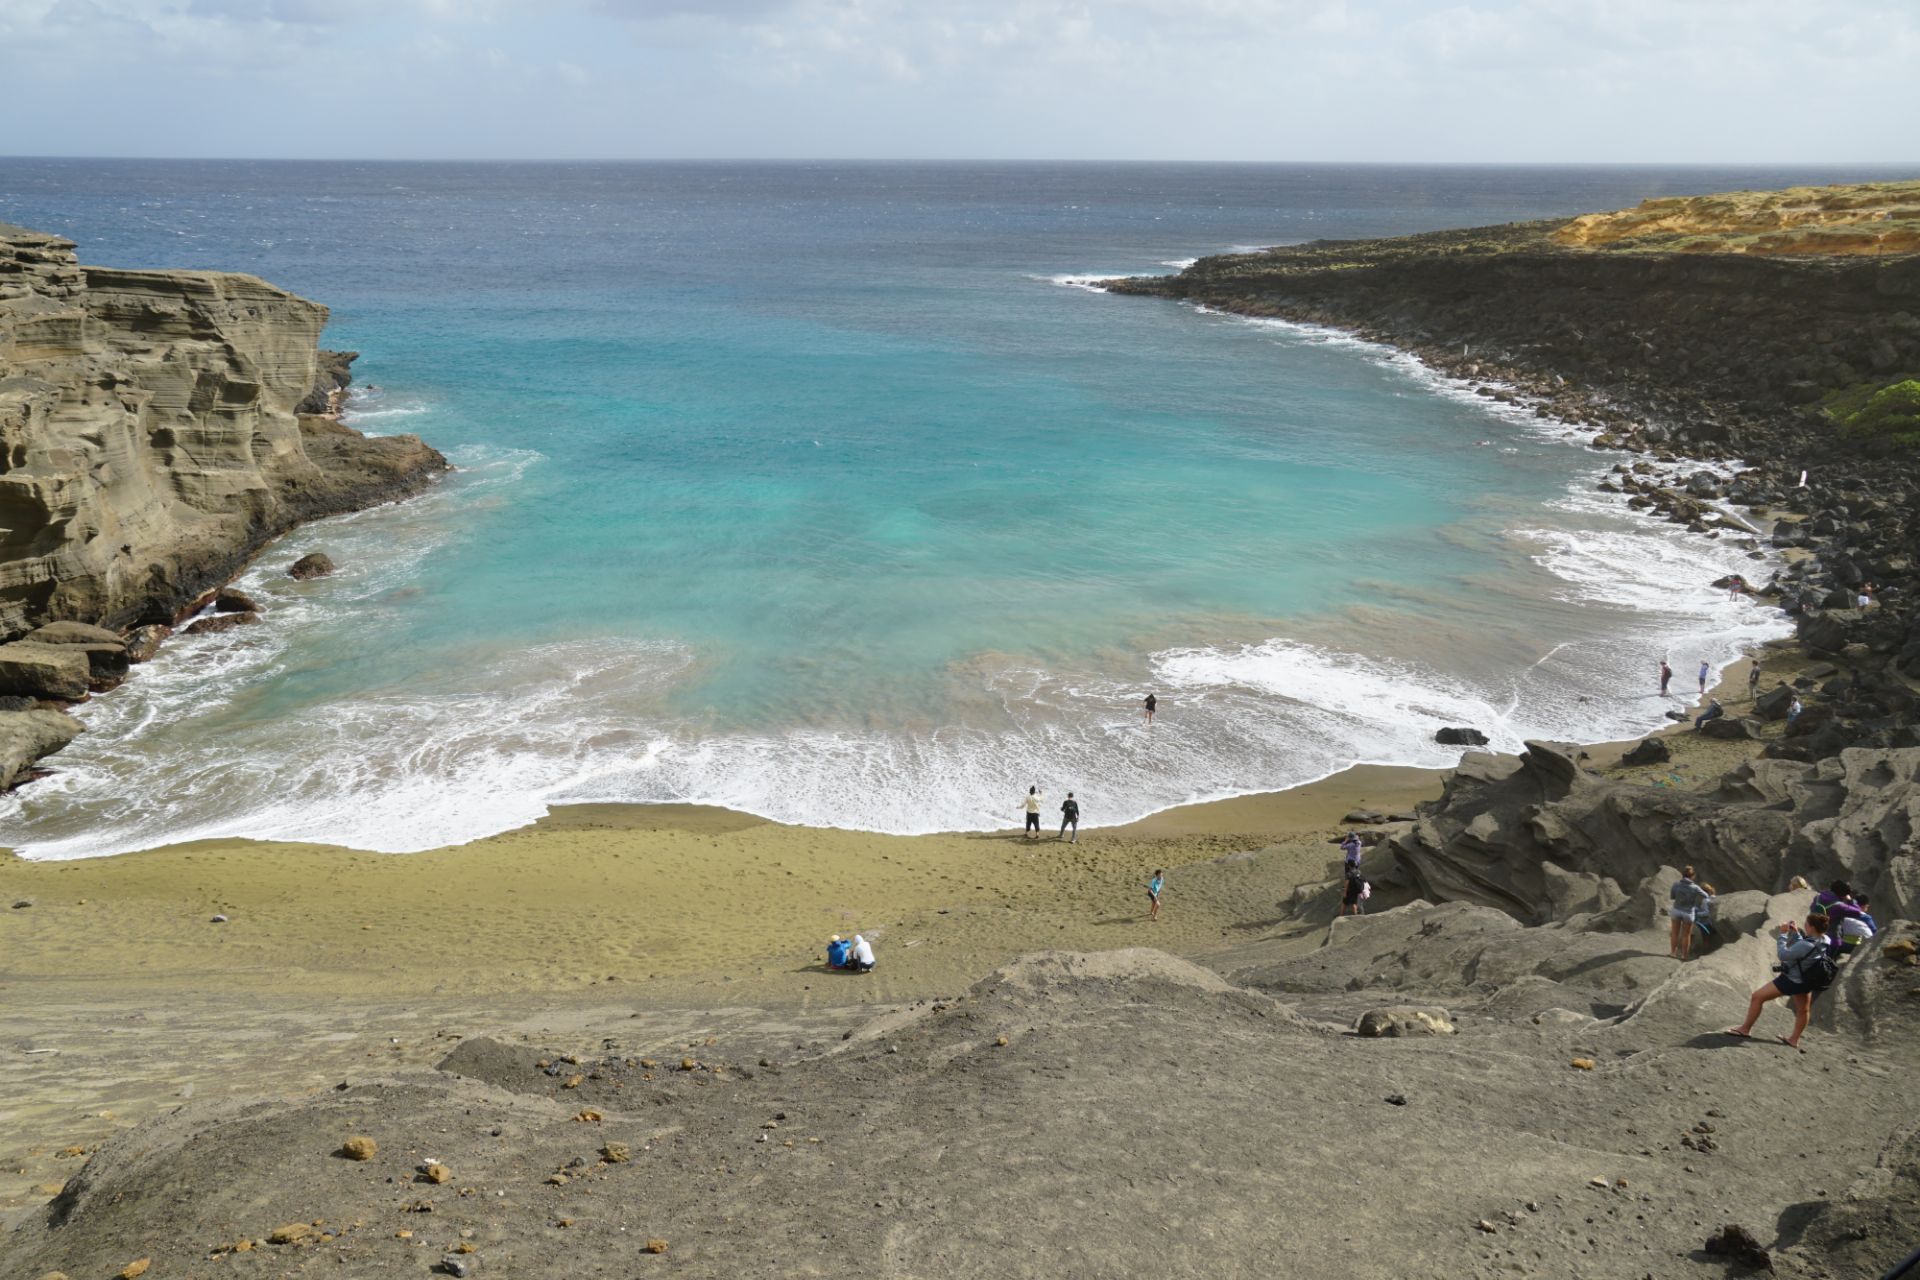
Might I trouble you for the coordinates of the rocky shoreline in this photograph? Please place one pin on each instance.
(157, 430)
(1676, 359)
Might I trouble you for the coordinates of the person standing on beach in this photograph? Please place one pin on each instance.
(1153, 894)
(1151, 704)
(1753, 680)
(1033, 813)
(1069, 817)
(1703, 679)
(1666, 677)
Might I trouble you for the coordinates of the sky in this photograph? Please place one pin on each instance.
(1486, 81)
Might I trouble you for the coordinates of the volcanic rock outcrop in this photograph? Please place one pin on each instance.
(1545, 837)
(149, 434)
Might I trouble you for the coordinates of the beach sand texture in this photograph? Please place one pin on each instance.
(634, 893)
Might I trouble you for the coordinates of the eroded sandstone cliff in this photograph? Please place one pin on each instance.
(149, 434)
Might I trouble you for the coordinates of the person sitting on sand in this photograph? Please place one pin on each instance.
(1713, 712)
(1794, 709)
(838, 949)
(1153, 894)
(1687, 900)
(1799, 951)
(862, 959)
(1069, 817)
(1033, 813)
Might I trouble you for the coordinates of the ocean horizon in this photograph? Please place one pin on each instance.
(838, 493)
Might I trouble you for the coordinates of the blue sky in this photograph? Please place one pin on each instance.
(1382, 80)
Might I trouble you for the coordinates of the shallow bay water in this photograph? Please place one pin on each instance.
(830, 493)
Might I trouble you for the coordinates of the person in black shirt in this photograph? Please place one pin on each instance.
(1070, 817)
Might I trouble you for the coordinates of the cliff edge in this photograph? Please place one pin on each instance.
(151, 439)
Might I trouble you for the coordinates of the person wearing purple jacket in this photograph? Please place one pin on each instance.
(1837, 904)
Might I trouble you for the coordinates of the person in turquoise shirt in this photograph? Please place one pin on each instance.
(1153, 894)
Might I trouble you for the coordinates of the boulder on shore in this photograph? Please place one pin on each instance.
(1774, 703)
(1650, 751)
(144, 642)
(315, 564)
(25, 736)
(106, 652)
(1460, 737)
(230, 600)
(213, 624)
(60, 672)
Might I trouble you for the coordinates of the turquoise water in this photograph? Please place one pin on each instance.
(831, 494)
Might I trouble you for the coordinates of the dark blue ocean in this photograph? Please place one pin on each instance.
(831, 492)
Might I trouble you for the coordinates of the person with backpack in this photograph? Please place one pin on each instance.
(1069, 817)
(1688, 899)
(1703, 914)
(1355, 891)
(1806, 969)
(1857, 929)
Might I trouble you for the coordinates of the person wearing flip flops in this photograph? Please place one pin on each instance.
(1804, 971)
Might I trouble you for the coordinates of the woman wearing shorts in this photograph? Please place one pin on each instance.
(1795, 946)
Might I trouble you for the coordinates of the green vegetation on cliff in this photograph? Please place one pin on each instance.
(1887, 412)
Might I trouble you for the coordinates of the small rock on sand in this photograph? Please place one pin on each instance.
(656, 1245)
(1736, 1242)
(1583, 1064)
(435, 1172)
(359, 1148)
(1404, 1020)
(135, 1269)
(615, 1153)
(291, 1233)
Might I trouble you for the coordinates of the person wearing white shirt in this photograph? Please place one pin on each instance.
(862, 959)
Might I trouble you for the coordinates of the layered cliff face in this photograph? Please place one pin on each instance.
(149, 435)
